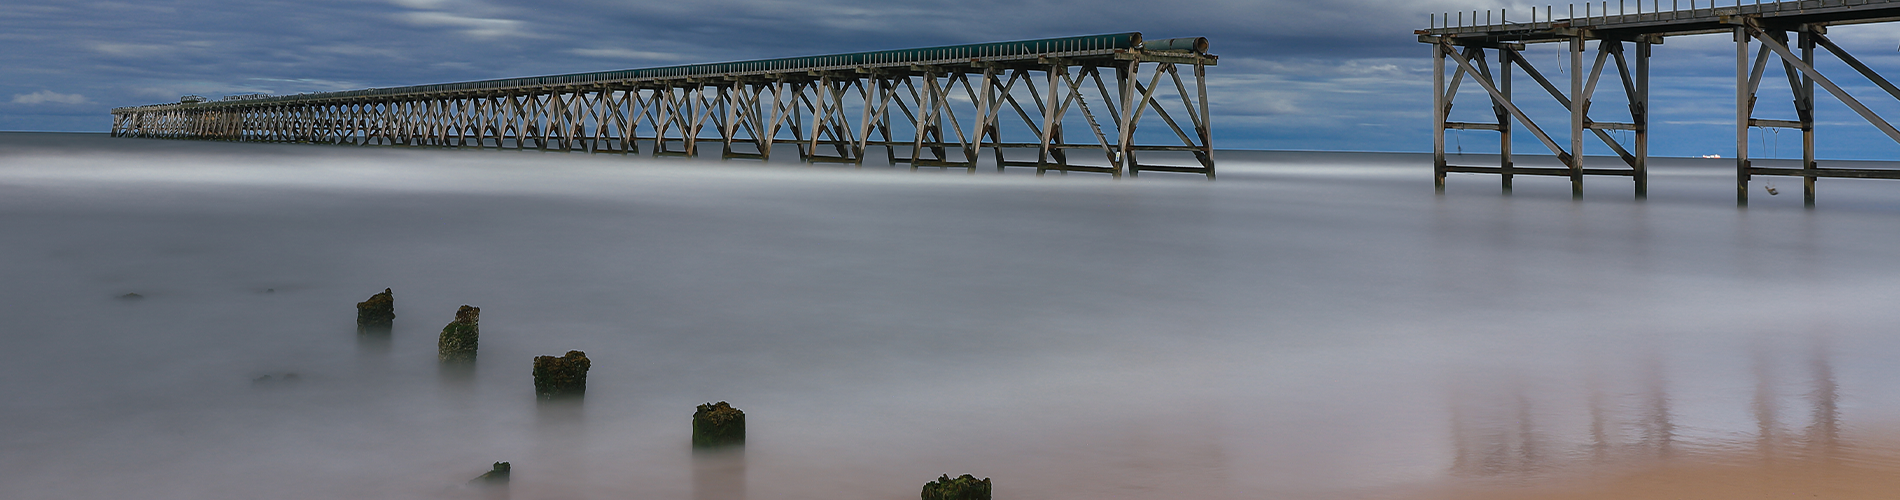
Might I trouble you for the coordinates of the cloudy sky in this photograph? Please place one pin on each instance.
(1345, 74)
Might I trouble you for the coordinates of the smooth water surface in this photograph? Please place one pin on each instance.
(1311, 325)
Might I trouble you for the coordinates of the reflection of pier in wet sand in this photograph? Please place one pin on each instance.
(1507, 443)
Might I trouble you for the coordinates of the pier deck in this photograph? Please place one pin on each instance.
(939, 106)
(1624, 33)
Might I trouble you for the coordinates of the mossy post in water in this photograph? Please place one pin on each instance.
(498, 476)
(376, 315)
(718, 425)
(562, 377)
(461, 338)
(966, 487)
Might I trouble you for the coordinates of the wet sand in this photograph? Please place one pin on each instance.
(1849, 478)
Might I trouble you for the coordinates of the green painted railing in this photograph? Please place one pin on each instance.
(1022, 49)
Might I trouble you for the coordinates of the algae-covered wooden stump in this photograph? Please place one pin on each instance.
(562, 377)
(718, 424)
(374, 316)
(461, 337)
(965, 487)
(494, 477)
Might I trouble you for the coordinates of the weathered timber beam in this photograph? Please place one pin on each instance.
(1786, 55)
(1844, 173)
(1519, 113)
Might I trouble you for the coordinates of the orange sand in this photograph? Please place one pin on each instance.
(1842, 478)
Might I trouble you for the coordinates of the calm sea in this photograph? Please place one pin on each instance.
(1312, 325)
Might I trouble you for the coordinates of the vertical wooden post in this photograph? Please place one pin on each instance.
(1206, 127)
(1050, 119)
(985, 107)
(778, 118)
(637, 108)
(1438, 115)
(821, 117)
(1743, 95)
(1578, 106)
(1126, 77)
(870, 95)
(694, 118)
(1641, 118)
(925, 109)
(1805, 110)
(730, 128)
(663, 100)
(1504, 118)
(797, 124)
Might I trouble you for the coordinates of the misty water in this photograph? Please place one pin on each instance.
(1311, 325)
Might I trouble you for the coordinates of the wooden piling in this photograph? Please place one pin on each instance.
(497, 476)
(718, 425)
(461, 337)
(965, 487)
(377, 315)
(562, 377)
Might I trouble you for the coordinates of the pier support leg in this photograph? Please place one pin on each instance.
(1639, 111)
(1125, 80)
(1743, 97)
(1207, 121)
(1438, 117)
(1504, 119)
(1804, 108)
(1578, 107)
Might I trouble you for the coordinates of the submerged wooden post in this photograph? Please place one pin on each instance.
(562, 377)
(965, 487)
(717, 425)
(376, 315)
(497, 476)
(461, 337)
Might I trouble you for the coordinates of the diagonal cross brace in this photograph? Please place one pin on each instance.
(1565, 101)
(1857, 65)
(1789, 57)
(1519, 113)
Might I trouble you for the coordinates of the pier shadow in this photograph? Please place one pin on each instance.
(1820, 439)
(1766, 412)
(1656, 425)
(1496, 436)
(1823, 436)
(1513, 431)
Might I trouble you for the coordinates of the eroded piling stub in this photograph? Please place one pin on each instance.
(965, 487)
(718, 425)
(376, 315)
(562, 377)
(497, 476)
(461, 338)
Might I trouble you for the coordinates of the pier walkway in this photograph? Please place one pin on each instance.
(1624, 33)
(1031, 103)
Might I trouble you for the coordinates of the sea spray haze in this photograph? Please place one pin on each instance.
(1309, 326)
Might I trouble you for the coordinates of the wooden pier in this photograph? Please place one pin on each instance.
(1624, 32)
(1039, 101)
